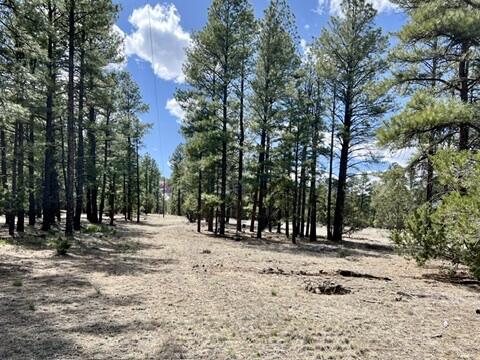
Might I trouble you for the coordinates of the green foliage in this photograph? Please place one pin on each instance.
(392, 200)
(62, 245)
(450, 228)
(423, 114)
(358, 208)
(419, 238)
(96, 228)
(17, 282)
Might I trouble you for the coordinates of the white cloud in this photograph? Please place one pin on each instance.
(121, 65)
(306, 26)
(304, 46)
(307, 53)
(335, 7)
(400, 157)
(175, 109)
(159, 28)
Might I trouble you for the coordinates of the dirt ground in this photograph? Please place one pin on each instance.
(159, 290)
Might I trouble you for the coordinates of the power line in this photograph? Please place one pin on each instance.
(155, 91)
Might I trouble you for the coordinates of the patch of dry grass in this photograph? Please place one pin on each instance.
(152, 291)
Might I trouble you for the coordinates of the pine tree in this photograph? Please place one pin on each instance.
(276, 62)
(355, 48)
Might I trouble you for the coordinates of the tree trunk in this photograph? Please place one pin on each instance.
(70, 120)
(49, 186)
(342, 173)
(13, 198)
(463, 71)
(254, 210)
(138, 179)
(31, 174)
(223, 183)
(179, 202)
(313, 171)
(3, 153)
(330, 168)
(112, 198)
(303, 189)
(21, 183)
(241, 139)
(261, 177)
(105, 166)
(129, 179)
(92, 192)
(80, 145)
(199, 202)
(295, 195)
(163, 198)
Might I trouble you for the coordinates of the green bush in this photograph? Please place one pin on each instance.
(62, 246)
(419, 238)
(450, 227)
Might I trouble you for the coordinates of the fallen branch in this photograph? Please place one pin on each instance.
(326, 288)
(278, 271)
(349, 273)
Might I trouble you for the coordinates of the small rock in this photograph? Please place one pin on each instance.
(478, 311)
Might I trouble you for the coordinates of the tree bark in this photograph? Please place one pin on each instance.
(13, 198)
(254, 209)
(330, 168)
(92, 192)
(21, 182)
(3, 153)
(138, 179)
(31, 174)
(80, 145)
(112, 198)
(342, 172)
(129, 178)
(261, 177)
(295, 194)
(223, 183)
(463, 71)
(70, 120)
(106, 168)
(303, 189)
(50, 176)
(241, 139)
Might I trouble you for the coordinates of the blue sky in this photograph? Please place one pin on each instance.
(169, 25)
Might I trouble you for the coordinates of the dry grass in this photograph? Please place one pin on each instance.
(161, 291)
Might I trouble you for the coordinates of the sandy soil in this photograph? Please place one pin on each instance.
(161, 291)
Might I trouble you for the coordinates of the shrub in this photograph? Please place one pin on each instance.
(450, 227)
(62, 246)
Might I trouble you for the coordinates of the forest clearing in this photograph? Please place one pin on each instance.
(239, 179)
(159, 290)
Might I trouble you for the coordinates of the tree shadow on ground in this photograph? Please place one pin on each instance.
(461, 279)
(40, 319)
(27, 331)
(279, 243)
